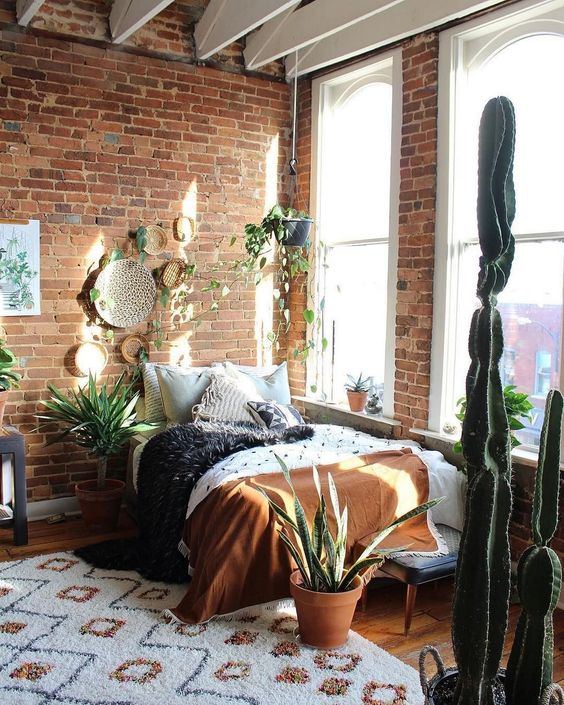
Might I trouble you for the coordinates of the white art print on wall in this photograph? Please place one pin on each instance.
(19, 268)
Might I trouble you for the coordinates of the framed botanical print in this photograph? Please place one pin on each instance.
(19, 268)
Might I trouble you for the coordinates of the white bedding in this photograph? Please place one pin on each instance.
(328, 445)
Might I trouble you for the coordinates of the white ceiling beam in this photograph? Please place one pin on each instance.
(225, 21)
(26, 9)
(263, 36)
(310, 24)
(127, 16)
(399, 22)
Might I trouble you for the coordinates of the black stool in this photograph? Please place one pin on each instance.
(12, 443)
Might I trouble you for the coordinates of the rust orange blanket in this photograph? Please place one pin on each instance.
(237, 557)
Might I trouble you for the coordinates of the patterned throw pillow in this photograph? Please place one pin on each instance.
(224, 400)
(276, 417)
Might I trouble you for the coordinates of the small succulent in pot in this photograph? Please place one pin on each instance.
(357, 391)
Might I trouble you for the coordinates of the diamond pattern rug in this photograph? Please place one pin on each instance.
(75, 635)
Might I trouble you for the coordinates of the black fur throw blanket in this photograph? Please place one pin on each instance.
(171, 464)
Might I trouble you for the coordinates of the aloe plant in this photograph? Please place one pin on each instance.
(103, 422)
(358, 384)
(319, 555)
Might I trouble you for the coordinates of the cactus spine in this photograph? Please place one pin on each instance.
(483, 575)
(529, 671)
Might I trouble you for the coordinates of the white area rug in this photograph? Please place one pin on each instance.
(75, 635)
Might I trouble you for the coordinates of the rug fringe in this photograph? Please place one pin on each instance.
(274, 606)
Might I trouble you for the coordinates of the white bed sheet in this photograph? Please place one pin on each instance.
(329, 444)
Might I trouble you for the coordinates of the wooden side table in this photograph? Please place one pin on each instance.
(12, 443)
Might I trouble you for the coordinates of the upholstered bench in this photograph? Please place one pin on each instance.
(415, 571)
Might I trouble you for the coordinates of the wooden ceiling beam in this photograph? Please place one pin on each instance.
(26, 9)
(127, 16)
(400, 21)
(225, 21)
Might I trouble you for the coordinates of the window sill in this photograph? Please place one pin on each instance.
(327, 412)
(442, 441)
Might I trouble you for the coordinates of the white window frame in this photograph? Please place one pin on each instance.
(475, 40)
(359, 74)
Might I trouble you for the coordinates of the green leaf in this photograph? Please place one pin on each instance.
(309, 316)
(324, 343)
(313, 388)
(94, 295)
(225, 291)
(109, 334)
(116, 254)
(165, 295)
(262, 262)
(142, 257)
(232, 241)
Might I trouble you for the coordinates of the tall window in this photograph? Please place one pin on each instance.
(355, 207)
(517, 54)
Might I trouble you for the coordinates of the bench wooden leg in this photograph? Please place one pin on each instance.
(410, 596)
(363, 598)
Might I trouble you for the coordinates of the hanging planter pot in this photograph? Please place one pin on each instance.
(296, 231)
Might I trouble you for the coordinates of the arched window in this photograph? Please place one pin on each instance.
(355, 199)
(519, 55)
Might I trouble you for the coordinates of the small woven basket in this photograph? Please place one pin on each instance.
(156, 240)
(131, 347)
(174, 273)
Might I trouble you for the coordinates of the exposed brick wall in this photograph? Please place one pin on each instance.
(95, 142)
(418, 168)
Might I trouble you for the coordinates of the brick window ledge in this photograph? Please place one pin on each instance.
(327, 412)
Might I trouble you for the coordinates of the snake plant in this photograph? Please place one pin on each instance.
(319, 555)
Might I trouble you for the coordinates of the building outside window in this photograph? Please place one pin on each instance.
(519, 54)
(357, 115)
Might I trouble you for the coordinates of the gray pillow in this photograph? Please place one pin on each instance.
(154, 410)
(274, 386)
(180, 392)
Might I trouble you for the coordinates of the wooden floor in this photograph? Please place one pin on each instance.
(382, 622)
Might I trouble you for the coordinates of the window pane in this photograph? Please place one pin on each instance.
(355, 316)
(527, 72)
(355, 181)
(531, 310)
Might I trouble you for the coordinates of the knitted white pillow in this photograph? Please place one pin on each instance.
(224, 400)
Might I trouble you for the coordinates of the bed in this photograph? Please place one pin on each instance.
(229, 539)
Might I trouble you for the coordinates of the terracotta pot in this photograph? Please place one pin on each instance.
(324, 618)
(3, 399)
(357, 400)
(100, 508)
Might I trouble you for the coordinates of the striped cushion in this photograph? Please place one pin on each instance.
(154, 410)
(224, 400)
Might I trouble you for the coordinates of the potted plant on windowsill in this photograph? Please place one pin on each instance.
(8, 378)
(102, 422)
(324, 590)
(357, 392)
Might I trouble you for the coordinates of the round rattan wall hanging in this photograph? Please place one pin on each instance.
(90, 357)
(174, 273)
(127, 293)
(156, 240)
(131, 347)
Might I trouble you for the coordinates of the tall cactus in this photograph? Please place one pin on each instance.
(483, 576)
(529, 670)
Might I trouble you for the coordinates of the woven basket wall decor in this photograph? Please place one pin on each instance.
(156, 240)
(174, 273)
(130, 288)
(131, 347)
